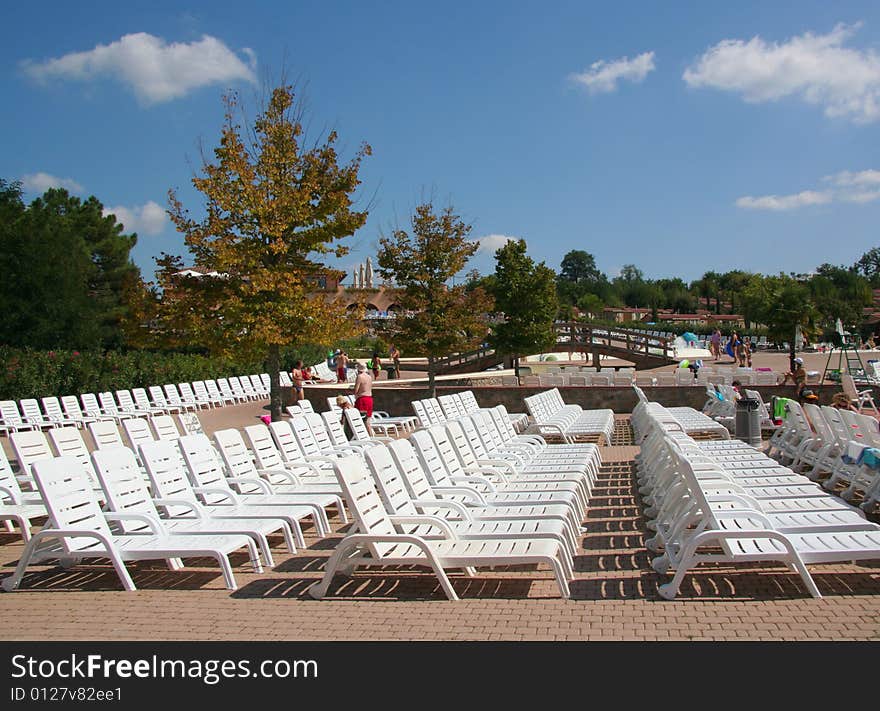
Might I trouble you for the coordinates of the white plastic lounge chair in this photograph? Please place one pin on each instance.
(159, 399)
(126, 492)
(17, 506)
(379, 544)
(164, 427)
(30, 408)
(11, 419)
(206, 471)
(169, 481)
(81, 530)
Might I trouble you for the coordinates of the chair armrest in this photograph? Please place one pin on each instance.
(440, 523)
(191, 505)
(443, 504)
(216, 490)
(476, 481)
(264, 486)
(286, 473)
(467, 491)
(151, 521)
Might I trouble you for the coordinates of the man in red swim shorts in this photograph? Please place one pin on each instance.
(363, 393)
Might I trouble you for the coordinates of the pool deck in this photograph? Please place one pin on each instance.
(614, 591)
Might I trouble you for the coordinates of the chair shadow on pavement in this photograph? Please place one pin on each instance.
(394, 583)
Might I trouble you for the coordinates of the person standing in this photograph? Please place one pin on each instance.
(733, 345)
(363, 395)
(715, 343)
(341, 367)
(375, 365)
(394, 371)
(297, 376)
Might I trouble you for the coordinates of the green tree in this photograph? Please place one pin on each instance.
(273, 209)
(66, 271)
(869, 266)
(525, 293)
(437, 319)
(731, 284)
(840, 293)
(782, 303)
(579, 275)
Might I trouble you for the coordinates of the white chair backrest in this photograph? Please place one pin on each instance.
(237, 458)
(71, 501)
(409, 465)
(31, 409)
(29, 447)
(158, 396)
(167, 473)
(164, 427)
(365, 503)
(356, 422)
(108, 404)
(137, 430)
(124, 487)
(126, 402)
(203, 466)
(389, 481)
(90, 404)
(286, 442)
(10, 414)
(105, 434)
(68, 442)
(71, 406)
(267, 455)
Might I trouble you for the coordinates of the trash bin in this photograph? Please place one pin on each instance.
(747, 424)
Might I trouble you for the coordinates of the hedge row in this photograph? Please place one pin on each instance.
(28, 373)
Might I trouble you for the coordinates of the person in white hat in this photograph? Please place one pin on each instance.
(797, 375)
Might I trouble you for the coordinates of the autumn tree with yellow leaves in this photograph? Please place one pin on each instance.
(272, 210)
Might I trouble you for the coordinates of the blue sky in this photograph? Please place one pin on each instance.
(681, 137)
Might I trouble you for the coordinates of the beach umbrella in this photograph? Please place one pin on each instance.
(690, 337)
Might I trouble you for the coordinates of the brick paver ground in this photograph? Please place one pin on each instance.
(614, 593)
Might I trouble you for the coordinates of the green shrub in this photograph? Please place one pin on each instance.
(27, 373)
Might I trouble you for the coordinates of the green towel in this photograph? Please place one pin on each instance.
(779, 408)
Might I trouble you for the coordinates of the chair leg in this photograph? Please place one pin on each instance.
(263, 543)
(122, 572)
(226, 567)
(443, 578)
(13, 581)
(561, 579)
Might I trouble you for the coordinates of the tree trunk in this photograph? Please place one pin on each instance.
(273, 362)
(432, 389)
(792, 350)
(516, 366)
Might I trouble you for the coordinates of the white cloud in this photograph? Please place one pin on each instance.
(816, 68)
(155, 70)
(148, 219)
(492, 243)
(41, 182)
(784, 202)
(846, 186)
(861, 179)
(602, 76)
(861, 197)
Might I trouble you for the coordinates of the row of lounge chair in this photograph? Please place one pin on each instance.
(832, 446)
(155, 480)
(437, 410)
(570, 423)
(726, 502)
(137, 402)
